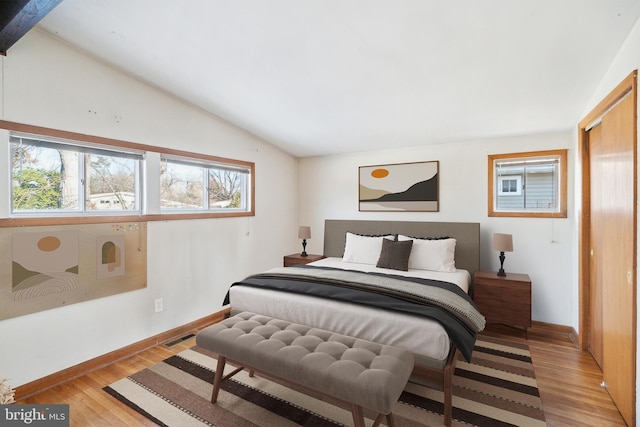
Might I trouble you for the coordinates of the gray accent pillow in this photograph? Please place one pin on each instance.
(395, 254)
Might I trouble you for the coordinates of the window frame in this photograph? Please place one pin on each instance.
(150, 204)
(561, 189)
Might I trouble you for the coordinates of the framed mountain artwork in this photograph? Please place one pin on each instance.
(409, 187)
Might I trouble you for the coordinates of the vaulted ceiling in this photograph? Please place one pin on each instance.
(330, 76)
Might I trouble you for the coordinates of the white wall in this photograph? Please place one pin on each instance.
(542, 247)
(627, 60)
(190, 263)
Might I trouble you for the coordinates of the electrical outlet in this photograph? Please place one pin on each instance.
(159, 304)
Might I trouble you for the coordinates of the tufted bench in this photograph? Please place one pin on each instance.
(362, 373)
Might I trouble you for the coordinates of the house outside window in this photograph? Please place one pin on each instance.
(528, 184)
(510, 185)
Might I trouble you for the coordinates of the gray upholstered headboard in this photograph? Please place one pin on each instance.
(467, 235)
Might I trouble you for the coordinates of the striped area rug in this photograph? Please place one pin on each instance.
(498, 388)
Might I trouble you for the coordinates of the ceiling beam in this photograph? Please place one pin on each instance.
(17, 17)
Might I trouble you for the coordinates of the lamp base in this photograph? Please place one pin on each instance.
(304, 247)
(501, 271)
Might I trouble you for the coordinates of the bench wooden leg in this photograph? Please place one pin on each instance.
(379, 418)
(390, 422)
(358, 415)
(217, 379)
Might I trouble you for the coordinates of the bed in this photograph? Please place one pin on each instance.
(337, 293)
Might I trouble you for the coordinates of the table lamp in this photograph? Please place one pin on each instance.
(304, 233)
(502, 243)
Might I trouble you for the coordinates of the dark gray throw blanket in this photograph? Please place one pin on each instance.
(442, 301)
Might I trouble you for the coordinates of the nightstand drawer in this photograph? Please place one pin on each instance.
(516, 315)
(508, 294)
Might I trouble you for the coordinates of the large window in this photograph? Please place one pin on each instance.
(195, 184)
(530, 184)
(58, 177)
(54, 177)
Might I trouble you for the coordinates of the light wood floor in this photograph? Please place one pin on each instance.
(568, 379)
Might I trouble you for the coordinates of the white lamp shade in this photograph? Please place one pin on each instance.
(304, 232)
(502, 242)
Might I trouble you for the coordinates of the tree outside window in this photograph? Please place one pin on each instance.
(188, 184)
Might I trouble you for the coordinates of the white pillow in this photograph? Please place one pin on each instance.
(363, 249)
(435, 255)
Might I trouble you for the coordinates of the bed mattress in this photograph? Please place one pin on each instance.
(426, 338)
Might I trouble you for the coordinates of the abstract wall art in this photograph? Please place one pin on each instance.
(44, 263)
(410, 187)
(110, 256)
(46, 267)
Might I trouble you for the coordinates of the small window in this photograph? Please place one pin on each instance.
(188, 184)
(54, 177)
(530, 184)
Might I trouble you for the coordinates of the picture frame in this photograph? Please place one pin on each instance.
(400, 187)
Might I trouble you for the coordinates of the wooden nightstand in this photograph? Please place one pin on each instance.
(504, 299)
(297, 259)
